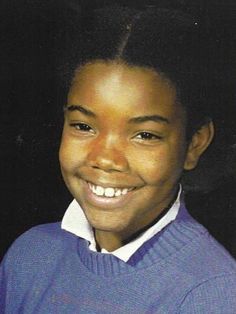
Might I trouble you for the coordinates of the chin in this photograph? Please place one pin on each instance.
(107, 224)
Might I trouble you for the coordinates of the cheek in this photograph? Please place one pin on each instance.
(70, 154)
(161, 166)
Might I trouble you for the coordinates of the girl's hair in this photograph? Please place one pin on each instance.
(171, 42)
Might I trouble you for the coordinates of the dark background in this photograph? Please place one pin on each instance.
(34, 34)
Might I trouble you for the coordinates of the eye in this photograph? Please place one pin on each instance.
(147, 136)
(82, 127)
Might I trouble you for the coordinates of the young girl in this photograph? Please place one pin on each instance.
(137, 115)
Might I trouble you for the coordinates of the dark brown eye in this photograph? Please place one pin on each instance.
(147, 136)
(83, 127)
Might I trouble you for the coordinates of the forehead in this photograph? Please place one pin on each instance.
(127, 88)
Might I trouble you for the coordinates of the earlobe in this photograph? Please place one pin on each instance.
(199, 143)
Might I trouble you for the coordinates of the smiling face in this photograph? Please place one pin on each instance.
(123, 147)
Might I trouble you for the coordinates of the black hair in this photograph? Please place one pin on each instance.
(171, 42)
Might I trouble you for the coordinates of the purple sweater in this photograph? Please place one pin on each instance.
(180, 270)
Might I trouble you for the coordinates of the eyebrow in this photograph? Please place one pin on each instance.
(154, 118)
(136, 120)
(81, 109)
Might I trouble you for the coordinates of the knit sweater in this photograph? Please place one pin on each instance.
(182, 269)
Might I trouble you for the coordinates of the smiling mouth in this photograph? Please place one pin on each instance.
(108, 192)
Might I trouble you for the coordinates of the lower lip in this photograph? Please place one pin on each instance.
(107, 202)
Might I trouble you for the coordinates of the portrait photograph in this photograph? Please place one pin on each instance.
(118, 156)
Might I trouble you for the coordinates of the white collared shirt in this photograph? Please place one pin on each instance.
(76, 222)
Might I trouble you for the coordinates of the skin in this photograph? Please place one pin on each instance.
(107, 141)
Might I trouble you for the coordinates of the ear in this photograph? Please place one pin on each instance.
(198, 144)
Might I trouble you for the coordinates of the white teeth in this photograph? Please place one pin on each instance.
(118, 193)
(124, 191)
(99, 190)
(108, 192)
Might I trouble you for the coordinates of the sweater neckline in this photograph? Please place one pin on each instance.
(167, 242)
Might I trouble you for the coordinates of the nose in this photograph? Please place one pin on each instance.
(108, 154)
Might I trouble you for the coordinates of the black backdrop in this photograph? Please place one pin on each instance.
(33, 34)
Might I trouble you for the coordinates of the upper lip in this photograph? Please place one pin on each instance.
(111, 185)
(111, 181)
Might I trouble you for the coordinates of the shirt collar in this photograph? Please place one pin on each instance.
(75, 221)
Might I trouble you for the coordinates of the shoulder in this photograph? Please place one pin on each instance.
(202, 255)
(32, 261)
(199, 255)
(215, 295)
(42, 237)
(209, 270)
(198, 247)
(207, 253)
(40, 244)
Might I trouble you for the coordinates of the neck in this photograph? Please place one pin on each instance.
(107, 240)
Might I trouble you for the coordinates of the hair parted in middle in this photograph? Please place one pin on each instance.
(170, 42)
